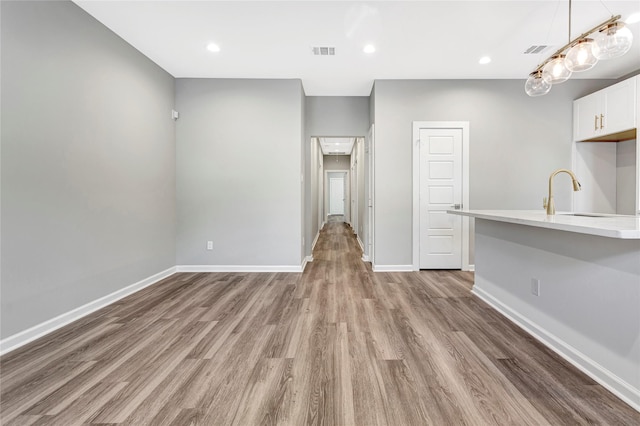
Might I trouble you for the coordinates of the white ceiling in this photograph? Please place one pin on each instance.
(414, 40)
(337, 146)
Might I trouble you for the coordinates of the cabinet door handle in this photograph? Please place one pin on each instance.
(601, 121)
(595, 122)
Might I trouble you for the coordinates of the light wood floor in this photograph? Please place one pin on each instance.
(335, 345)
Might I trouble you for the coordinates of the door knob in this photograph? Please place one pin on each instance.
(457, 206)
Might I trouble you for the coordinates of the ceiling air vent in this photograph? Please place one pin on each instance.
(323, 50)
(536, 49)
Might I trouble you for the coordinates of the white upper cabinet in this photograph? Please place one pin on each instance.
(608, 114)
(586, 116)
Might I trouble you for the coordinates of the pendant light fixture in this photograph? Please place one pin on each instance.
(556, 70)
(610, 39)
(580, 57)
(536, 84)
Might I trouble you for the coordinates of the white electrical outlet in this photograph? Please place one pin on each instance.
(209, 245)
(535, 286)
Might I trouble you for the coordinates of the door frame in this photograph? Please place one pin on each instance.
(369, 178)
(353, 188)
(320, 195)
(347, 194)
(464, 126)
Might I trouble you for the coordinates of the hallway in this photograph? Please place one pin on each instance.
(337, 344)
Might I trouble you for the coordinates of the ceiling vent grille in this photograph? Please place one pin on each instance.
(323, 50)
(536, 49)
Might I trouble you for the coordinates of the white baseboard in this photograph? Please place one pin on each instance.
(392, 268)
(365, 258)
(239, 268)
(306, 260)
(315, 240)
(603, 376)
(22, 338)
(472, 268)
(360, 243)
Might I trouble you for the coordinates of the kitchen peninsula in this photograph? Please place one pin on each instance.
(571, 281)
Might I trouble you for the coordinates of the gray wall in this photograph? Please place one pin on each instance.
(336, 116)
(316, 177)
(515, 143)
(239, 159)
(337, 162)
(626, 177)
(88, 160)
(305, 180)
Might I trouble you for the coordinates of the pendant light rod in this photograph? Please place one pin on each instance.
(581, 36)
(569, 36)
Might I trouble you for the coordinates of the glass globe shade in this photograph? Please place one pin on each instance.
(612, 41)
(580, 57)
(555, 71)
(536, 84)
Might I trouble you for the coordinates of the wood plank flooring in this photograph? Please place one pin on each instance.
(337, 345)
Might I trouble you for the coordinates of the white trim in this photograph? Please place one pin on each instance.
(365, 258)
(472, 268)
(417, 125)
(22, 338)
(315, 240)
(239, 268)
(392, 268)
(597, 372)
(306, 260)
(372, 193)
(360, 243)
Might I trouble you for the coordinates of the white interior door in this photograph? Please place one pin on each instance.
(336, 195)
(440, 190)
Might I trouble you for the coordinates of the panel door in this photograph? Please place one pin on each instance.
(440, 190)
(336, 195)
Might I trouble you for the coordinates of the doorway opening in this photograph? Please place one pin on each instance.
(338, 175)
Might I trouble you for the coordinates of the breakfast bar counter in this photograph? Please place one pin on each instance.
(571, 281)
(604, 225)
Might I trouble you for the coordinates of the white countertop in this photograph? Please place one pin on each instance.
(613, 226)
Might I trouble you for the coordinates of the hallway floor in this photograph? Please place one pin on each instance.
(337, 344)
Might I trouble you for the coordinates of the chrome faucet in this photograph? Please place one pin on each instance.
(548, 203)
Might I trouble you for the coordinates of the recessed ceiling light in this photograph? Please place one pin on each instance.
(369, 48)
(212, 47)
(633, 18)
(484, 60)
